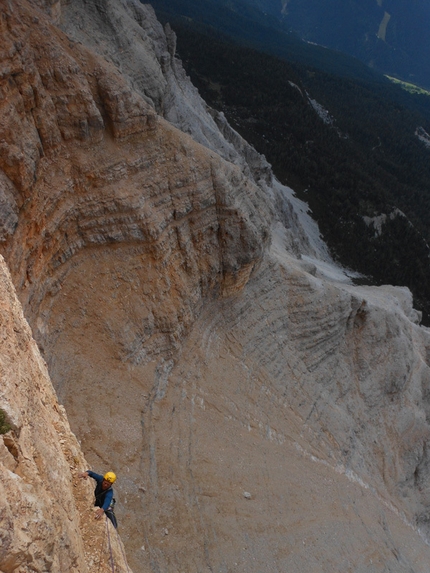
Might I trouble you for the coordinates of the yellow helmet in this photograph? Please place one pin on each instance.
(110, 477)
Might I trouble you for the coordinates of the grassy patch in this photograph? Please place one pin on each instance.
(4, 425)
(411, 88)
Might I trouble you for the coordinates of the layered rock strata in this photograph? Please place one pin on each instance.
(296, 425)
(88, 165)
(128, 34)
(261, 413)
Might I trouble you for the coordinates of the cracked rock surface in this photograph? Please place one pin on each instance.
(262, 413)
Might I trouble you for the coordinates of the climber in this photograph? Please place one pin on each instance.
(103, 493)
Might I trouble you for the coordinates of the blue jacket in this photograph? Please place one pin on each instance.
(103, 497)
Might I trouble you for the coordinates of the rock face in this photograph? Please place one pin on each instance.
(35, 474)
(128, 34)
(87, 136)
(42, 516)
(262, 414)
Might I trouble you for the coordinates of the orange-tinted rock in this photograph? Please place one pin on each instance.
(192, 359)
(113, 174)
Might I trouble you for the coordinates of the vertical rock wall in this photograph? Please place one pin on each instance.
(46, 518)
(261, 414)
(40, 523)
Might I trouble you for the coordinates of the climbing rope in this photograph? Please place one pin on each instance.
(122, 551)
(111, 558)
(110, 546)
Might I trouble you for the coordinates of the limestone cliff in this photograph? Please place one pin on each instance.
(128, 34)
(262, 413)
(46, 522)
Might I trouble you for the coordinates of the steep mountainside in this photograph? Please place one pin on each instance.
(262, 413)
(353, 149)
(388, 35)
(391, 35)
(249, 26)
